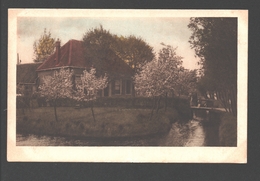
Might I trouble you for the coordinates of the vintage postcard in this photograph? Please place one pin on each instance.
(155, 86)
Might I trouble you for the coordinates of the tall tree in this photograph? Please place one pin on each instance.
(43, 47)
(134, 51)
(99, 48)
(102, 47)
(187, 82)
(89, 86)
(215, 43)
(57, 86)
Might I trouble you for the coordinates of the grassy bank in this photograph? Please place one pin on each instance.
(228, 130)
(110, 122)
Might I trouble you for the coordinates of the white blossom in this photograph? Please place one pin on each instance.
(89, 86)
(159, 76)
(57, 86)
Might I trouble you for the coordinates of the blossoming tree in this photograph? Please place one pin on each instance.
(87, 89)
(57, 86)
(159, 76)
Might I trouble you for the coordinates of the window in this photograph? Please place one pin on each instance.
(77, 79)
(128, 87)
(117, 87)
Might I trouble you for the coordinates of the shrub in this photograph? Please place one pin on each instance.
(228, 130)
(139, 102)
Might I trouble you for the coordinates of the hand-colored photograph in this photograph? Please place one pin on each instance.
(138, 81)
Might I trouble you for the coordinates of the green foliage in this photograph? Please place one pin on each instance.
(228, 130)
(101, 48)
(99, 45)
(43, 47)
(215, 43)
(134, 51)
(187, 82)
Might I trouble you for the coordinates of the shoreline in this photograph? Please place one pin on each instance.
(99, 138)
(110, 124)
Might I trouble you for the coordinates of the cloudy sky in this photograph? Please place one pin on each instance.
(169, 30)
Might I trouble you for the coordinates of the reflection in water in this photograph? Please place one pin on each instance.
(192, 133)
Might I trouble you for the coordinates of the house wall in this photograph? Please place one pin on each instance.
(123, 87)
(111, 85)
(43, 74)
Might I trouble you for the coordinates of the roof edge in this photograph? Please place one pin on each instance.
(29, 63)
(61, 67)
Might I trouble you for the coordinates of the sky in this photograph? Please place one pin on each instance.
(155, 30)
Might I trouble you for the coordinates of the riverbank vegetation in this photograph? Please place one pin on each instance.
(110, 122)
(228, 130)
(217, 49)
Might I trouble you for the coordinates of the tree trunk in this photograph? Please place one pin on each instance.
(92, 110)
(227, 100)
(222, 99)
(55, 111)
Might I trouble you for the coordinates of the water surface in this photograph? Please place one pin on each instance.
(193, 133)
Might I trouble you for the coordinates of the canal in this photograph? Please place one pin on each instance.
(192, 133)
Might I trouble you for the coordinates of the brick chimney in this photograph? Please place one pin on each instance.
(57, 51)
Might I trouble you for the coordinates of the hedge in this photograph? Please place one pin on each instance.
(180, 104)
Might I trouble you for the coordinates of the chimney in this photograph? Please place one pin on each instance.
(57, 51)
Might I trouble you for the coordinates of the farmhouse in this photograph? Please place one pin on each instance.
(71, 56)
(27, 78)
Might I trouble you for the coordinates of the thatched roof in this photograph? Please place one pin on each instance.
(26, 73)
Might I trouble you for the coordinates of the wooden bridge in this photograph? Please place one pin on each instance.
(206, 113)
